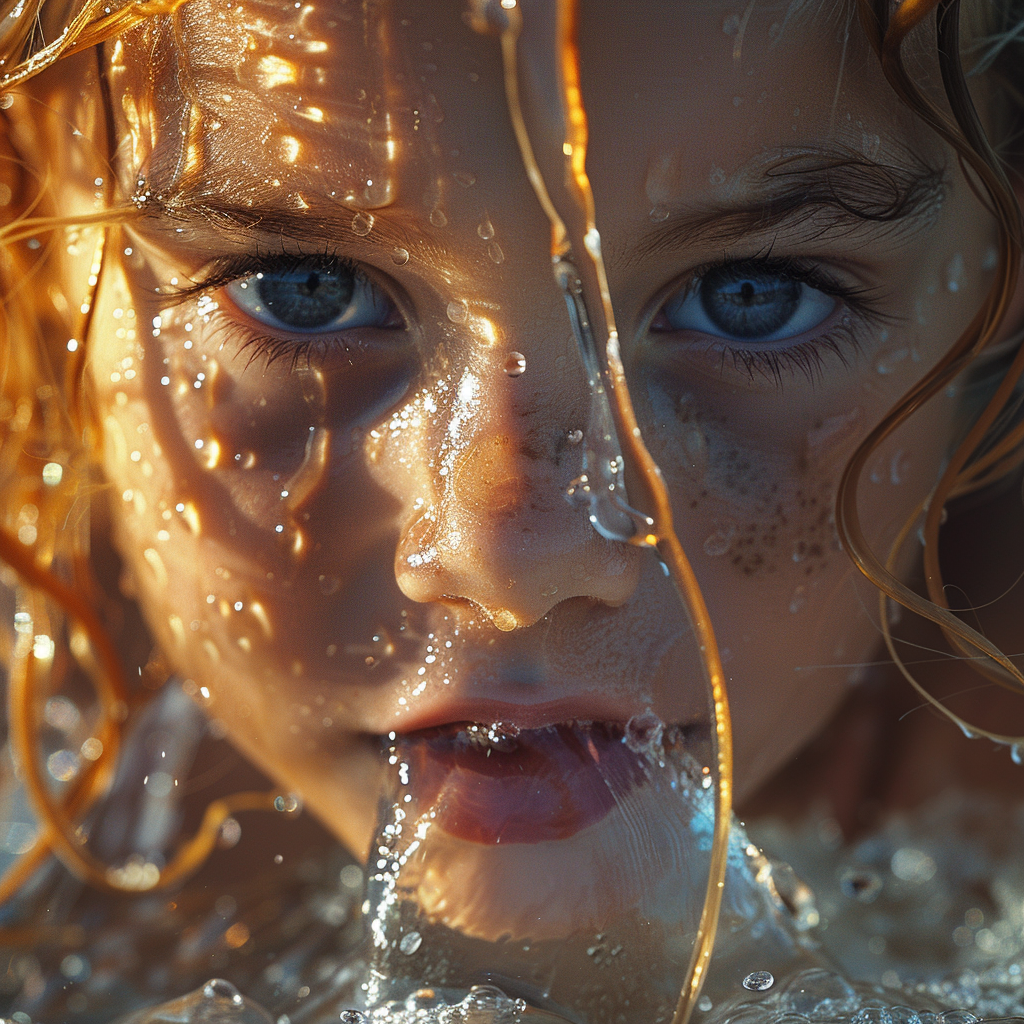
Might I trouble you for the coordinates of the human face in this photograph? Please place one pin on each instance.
(351, 522)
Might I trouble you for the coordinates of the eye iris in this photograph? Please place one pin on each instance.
(748, 305)
(307, 299)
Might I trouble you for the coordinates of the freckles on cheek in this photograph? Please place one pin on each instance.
(760, 511)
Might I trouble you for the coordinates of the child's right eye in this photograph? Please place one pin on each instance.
(313, 298)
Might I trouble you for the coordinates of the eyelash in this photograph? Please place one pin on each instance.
(806, 358)
(298, 349)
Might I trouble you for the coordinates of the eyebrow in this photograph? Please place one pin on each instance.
(830, 191)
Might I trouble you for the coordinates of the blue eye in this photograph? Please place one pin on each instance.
(746, 303)
(314, 299)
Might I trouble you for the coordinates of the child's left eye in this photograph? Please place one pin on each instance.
(746, 304)
(312, 300)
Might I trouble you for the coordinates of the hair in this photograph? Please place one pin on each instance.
(49, 268)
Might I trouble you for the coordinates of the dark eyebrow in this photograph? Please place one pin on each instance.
(830, 191)
(324, 222)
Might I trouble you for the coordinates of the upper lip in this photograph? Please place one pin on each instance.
(583, 708)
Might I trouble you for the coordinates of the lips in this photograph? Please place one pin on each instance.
(496, 784)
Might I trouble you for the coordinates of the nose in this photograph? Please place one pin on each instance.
(500, 534)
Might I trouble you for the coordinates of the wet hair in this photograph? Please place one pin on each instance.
(50, 527)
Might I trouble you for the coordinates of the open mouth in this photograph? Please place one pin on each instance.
(496, 783)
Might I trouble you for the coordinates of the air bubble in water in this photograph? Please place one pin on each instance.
(759, 981)
(400, 257)
(218, 988)
(515, 364)
(410, 942)
(362, 224)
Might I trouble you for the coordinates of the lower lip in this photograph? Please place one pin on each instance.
(553, 783)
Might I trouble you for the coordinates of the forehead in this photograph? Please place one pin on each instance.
(402, 104)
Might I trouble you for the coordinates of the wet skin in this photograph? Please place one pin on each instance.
(339, 534)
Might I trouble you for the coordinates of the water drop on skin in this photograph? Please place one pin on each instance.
(495, 253)
(575, 436)
(438, 218)
(458, 311)
(718, 543)
(410, 942)
(400, 257)
(362, 224)
(658, 213)
(955, 276)
(465, 178)
(515, 364)
(759, 981)
(485, 229)
(218, 988)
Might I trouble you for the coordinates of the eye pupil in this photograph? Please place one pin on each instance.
(748, 305)
(307, 299)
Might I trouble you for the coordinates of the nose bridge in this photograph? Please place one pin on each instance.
(499, 532)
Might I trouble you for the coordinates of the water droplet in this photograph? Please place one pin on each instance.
(860, 884)
(353, 1017)
(575, 436)
(63, 765)
(515, 364)
(362, 224)
(400, 257)
(410, 942)
(218, 988)
(955, 275)
(869, 145)
(659, 212)
(1017, 753)
(437, 217)
(718, 543)
(465, 178)
(717, 176)
(704, 1004)
(329, 585)
(494, 251)
(759, 981)
(890, 360)
(485, 229)
(644, 732)
(288, 803)
(458, 311)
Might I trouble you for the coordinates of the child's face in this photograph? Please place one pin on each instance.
(344, 515)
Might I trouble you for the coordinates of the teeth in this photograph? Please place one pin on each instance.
(499, 736)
